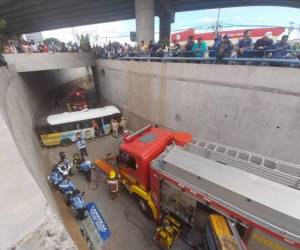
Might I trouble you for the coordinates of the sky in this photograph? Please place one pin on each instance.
(201, 20)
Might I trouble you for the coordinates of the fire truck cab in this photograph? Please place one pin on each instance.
(136, 154)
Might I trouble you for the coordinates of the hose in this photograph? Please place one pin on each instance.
(127, 213)
(97, 178)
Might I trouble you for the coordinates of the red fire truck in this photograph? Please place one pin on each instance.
(77, 99)
(173, 174)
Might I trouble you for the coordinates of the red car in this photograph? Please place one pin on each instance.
(77, 99)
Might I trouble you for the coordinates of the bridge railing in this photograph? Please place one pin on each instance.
(287, 58)
(225, 60)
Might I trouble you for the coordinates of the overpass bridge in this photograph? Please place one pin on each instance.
(37, 15)
(30, 62)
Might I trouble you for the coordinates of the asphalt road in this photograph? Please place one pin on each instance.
(131, 230)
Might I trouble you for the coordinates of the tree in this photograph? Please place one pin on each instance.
(2, 26)
(52, 40)
(85, 43)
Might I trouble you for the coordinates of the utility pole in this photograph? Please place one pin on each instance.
(218, 20)
(291, 27)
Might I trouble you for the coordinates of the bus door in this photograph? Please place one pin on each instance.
(98, 127)
(106, 120)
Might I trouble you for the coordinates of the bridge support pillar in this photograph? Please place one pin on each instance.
(164, 29)
(144, 14)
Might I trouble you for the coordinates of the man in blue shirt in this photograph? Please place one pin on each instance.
(217, 43)
(225, 49)
(244, 45)
(86, 168)
(81, 144)
(280, 48)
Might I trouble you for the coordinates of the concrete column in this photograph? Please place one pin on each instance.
(144, 14)
(164, 28)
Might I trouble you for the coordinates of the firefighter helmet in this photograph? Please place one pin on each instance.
(112, 174)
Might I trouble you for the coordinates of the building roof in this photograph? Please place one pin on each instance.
(82, 115)
(233, 34)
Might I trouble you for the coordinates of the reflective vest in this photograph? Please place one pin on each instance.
(113, 185)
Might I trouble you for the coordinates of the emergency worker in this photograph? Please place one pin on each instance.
(113, 184)
(76, 160)
(81, 144)
(64, 165)
(86, 168)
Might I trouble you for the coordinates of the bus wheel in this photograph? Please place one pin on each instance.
(65, 142)
(146, 210)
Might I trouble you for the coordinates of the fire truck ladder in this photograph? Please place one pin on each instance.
(244, 186)
(281, 172)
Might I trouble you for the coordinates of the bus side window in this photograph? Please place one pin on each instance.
(78, 126)
(56, 129)
(116, 117)
(107, 119)
(87, 124)
(67, 127)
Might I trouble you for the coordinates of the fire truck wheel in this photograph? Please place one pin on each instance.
(146, 210)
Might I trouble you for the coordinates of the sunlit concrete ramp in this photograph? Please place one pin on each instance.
(43, 61)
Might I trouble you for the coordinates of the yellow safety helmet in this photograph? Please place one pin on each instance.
(112, 174)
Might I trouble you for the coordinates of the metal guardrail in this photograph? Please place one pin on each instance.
(272, 61)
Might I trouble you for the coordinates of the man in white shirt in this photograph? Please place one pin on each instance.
(81, 144)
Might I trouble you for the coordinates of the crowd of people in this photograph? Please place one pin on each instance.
(22, 46)
(264, 47)
(222, 47)
(47, 46)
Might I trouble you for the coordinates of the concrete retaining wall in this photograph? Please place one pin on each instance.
(24, 191)
(251, 108)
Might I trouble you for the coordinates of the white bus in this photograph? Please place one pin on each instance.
(63, 129)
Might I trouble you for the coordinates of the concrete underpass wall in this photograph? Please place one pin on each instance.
(23, 204)
(24, 191)
(251, 108)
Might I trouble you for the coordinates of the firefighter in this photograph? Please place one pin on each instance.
(113, 184)
(76, 160)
